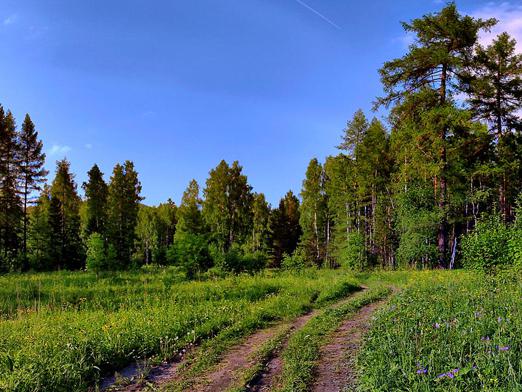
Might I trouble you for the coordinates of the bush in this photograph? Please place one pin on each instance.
(488, 246)
(191, 252)
(100, 256)
(353, 253)
(237, 261)
(296, 261)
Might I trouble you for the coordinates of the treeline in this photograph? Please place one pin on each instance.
(400, 193)
(452, 153)
(226, 225)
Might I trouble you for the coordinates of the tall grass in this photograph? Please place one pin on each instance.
(448, 332)
(64, 331)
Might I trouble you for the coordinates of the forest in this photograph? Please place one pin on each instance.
(416, 190)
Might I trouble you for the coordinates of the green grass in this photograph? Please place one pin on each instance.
(48, 341)
(447, 331)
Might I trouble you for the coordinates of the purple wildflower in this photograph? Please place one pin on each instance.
(437, 325)
(422, 371)
(499, 319)
(450, 374)
(504, 348)
(485, 338)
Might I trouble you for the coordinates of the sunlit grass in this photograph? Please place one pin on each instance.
(58, 344)
(448, 331)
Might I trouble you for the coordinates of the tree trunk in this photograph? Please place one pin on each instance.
(442, 236)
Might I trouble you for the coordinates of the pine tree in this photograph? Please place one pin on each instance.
(354, 133)
(64, 219)
(443, 45)
(11, 210)
(96, 192)
(313, 214)
(189, 215)
(32, 171)
(123, 203)
(494, 85)
(285, 227)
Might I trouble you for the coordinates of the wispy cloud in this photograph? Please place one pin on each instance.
(88, 146)
(318, 14)
(509, 16)
(405, 40)
(10, 20)
(57, 149)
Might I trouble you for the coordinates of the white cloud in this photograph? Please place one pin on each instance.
(57, 149)
(406, 40)
(88, 146)
(9, 20)
(509, 16)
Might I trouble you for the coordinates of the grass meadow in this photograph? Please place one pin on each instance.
(447, 331)
(440, 330)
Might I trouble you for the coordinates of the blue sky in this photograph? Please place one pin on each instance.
(176, 86)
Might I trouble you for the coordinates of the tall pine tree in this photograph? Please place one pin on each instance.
(64, 219)
(123, 204)
(32, 171)
(96, 192)
(443, 45)
(11, 209)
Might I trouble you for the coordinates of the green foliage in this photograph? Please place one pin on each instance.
(11, 209)
(64, 219)
(447, 332)
(96, 192)
(487, 246)
(122, 206)
(236, 260)
(32, 172)
(314, 214)
(353, 253)
(100, 255)
(227, 208)
(295, 261)
(284, 224)
(191, 252)
(417, 222)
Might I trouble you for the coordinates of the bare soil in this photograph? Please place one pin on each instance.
(336, 367)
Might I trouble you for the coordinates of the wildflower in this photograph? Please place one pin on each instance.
(504, 348)
(451, 374)
(499, 319)
(485, 338)
(422, 371)
(436, 325)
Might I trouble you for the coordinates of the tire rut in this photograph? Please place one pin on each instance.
(336, 367)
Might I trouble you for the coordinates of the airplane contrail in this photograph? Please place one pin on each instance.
(318, 14)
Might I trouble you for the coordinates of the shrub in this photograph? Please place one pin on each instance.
(296, 261)
(235, 261)
(353, 253)
(191, 252)
(100, 256)
(488, 246)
